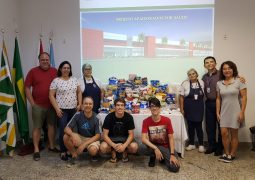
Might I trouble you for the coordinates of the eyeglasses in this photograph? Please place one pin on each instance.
(153, 106)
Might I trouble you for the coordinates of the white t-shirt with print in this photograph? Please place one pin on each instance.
(66, 92)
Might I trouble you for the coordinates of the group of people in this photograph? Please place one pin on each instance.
(56, 97)
(222, 94)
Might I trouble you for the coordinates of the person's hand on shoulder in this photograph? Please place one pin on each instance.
(242, 79)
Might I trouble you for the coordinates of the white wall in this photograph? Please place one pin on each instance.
(233, 18)
(59, 16)
(9, 20)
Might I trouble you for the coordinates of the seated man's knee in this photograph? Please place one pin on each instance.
(104, 147)
(93, 150)
(133, 148)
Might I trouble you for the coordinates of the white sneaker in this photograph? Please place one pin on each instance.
(190, 147)
(201, 149)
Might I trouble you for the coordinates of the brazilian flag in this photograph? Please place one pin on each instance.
(20, 108)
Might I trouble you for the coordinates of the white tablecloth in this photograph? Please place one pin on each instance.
(180, 133)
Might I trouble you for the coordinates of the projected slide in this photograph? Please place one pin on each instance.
(165, 31)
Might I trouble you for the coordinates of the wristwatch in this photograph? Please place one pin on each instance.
(172, 154)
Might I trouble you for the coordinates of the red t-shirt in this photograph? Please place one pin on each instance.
(158, 131)
(40, 80)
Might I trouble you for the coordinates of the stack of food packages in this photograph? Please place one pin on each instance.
(137, 93)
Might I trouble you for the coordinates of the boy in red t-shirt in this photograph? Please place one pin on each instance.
(157, 134)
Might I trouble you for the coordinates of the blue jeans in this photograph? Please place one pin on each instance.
(166, 154)
(67, 116)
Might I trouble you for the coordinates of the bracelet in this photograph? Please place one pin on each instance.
(172, 154)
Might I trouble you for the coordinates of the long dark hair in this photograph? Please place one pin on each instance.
(61, 66)
(232, 66)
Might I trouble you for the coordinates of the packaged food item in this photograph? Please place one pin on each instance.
(143, 104)
(136, 108)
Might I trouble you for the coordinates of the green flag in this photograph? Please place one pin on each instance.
(7, 99)
(20, 108)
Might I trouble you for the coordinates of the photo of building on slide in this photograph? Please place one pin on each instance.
(147, 34)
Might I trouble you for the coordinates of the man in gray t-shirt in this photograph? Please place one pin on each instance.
(82, 132)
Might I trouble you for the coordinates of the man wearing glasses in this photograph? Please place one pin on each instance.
(157, 135)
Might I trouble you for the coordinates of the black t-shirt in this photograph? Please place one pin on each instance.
(118, 127)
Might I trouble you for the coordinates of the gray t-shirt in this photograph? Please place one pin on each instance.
(87, 127)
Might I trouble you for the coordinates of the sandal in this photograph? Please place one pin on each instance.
(114, 156)
(36, 156)
(113, 160)
(125, 158)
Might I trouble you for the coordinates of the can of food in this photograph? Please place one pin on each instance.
(143, 104)
(136, 108)
(128, 105)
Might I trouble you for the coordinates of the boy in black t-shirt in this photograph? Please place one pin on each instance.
(118, 133)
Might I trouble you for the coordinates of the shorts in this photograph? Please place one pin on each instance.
(96, 143)
(118, 139)
(41, 114)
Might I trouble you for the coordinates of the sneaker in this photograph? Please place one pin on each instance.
(222, 158)
(94, 159)
(190, 147)
(232, 157)
(225, 158)
(201, 149)
(152, 161)
(63, 156)
(71, 162)
(36, 156)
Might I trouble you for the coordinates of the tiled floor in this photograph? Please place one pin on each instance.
(194, 166)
